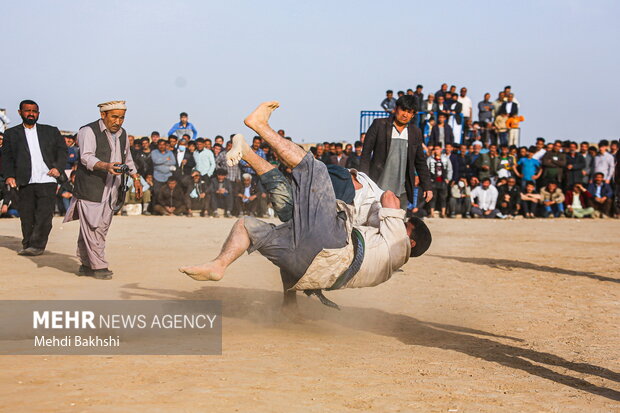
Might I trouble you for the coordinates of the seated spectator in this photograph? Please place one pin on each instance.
(440, 168)
(247, 196)
(531, 168)
(483, 200)
(460, 198)
(529, 200)
(8, 201)
(442, 132)
(199, 194)
(602, 195)
(339, 158)
(66, 191)
(508, 197)
(221, 193)
(576, 201)
(552, 199)
(353, 161)
(170, 200)
(417, 207)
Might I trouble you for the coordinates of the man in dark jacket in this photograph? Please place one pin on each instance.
(33, 157)
(393, 153)
(199, 193)
(171, 200)
(222, 193)
(442, 132)
(575, 162)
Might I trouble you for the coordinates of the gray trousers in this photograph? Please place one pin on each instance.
(91, 241)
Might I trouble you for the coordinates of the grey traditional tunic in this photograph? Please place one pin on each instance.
(394, 173)
(96, 217)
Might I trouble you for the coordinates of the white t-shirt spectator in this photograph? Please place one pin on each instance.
(467, 106)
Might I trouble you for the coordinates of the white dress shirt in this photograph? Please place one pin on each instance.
(39, 170)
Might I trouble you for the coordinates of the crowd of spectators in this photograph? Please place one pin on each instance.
(486, 175)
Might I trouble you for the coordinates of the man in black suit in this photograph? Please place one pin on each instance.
(33, 157)
(393, 154)
(509, 107)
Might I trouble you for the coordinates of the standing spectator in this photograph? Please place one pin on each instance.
(588, 171)
(154, 139)
(509, 197)
(485, 109)
(497, 104)
(507, 163)
(322, 155)
(221, 193)
(33, 156)
(604, 162)
(455, 110)
(554, 162)
(164, 164)
(233, 172)
(198, 194)
(142, 156)
(487, 164)
(183, 127)
(453, 156)
(442, 91)
(389, 103)
(418, 97)
(529, 200)
(428, 128)
(353, 162)
(540, 149)
(348, 149)
(73, 155)
(466, 104)
(575, 163)
(602, 195)
(393, 153)
(460, 198)
(170, 200)
(552, 199)
(513, 129)
(483, 200)
(184, 158)
(440, 168)
(429, 107)
(441, 134)
(501, 128)
(576, 201)
(531, 168)
(509, 107)
(4, 120)
(339, 158)
(245, 167)
(205, 161)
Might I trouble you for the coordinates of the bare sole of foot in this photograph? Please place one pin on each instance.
(239, 147)
(206, 272)
(261, 115)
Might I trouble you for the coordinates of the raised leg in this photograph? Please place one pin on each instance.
(235, 245)
(241, 150)
(288, 152)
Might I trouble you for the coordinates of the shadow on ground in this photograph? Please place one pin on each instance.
(263, 307)
(62, 262)
(509, 265)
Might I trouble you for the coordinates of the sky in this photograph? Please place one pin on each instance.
(325, 61)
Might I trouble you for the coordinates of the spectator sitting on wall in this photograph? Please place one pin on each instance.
(602, 195)
(483, 200)
(183, 127)
(552, 200)
(389, 103)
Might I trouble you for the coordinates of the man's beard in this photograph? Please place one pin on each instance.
(29, 121)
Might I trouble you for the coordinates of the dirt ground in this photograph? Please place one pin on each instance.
(519, 316)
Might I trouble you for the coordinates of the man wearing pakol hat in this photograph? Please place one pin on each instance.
(104, 149)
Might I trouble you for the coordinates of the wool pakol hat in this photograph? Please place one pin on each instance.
(112, 105)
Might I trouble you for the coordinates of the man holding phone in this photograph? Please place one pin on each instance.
(105, 151)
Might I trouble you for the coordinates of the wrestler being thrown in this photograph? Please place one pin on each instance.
(318, 246)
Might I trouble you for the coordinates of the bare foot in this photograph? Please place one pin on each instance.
(239, 148)
(261, 115)
(207, 272)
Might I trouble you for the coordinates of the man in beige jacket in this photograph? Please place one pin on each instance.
(318, 247)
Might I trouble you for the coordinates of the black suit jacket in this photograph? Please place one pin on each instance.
(16, 154)
(377, 147)
(434, 138)
(513, 112)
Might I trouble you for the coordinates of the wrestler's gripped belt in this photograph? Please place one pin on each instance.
(348, 274)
